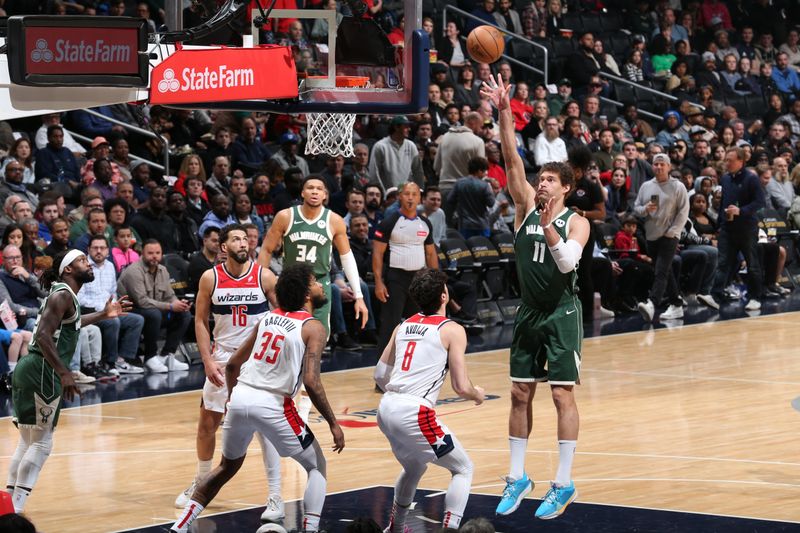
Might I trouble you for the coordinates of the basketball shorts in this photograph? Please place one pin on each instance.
(272, 415)
(323, 314)
(36, 394)
(214, 398)
(546, 345)
(413, 430)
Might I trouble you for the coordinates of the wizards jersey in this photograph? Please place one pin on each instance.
(237, 305)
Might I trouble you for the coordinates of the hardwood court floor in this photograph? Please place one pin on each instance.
(694, 419)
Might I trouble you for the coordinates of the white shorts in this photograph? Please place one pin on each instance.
(214, 397)
(413, 430)
(272, 415)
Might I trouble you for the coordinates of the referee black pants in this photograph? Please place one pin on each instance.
(398, 306)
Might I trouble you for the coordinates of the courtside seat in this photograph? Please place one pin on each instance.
(494, 270)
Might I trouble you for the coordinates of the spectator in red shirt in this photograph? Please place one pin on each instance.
(521, 107)
(712, 14)
(496, 170)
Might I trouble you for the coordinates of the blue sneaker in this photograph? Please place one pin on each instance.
(556, 500)
(513, 494)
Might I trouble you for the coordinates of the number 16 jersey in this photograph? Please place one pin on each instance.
(237, 305)
(420, 359)
(276, 363)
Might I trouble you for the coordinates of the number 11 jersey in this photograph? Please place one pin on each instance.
(420, 359)
(276, 363)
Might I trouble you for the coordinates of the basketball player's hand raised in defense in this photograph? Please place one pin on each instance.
(546, 212)
(338, 437)
(497, 92)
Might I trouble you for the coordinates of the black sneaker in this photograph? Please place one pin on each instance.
(346, 342)
(103, 372)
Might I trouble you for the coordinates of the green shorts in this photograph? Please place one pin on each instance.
(36, 393)
(546, 346)
(323, 314)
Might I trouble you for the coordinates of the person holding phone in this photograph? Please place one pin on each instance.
(663, 203)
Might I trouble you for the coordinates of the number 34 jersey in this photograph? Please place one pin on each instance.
(276, 363)
(237, 305)
(309, 241)
(420, 359)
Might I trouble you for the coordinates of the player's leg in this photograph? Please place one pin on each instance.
(564, 333)
(236, 436)
(323, 314)
(526, 369)
(274, 508)
(212, 406)
(455, 501)
(38, 443)
(313, 461)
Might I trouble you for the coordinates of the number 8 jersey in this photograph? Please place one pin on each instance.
(420, 359)
(276, 363)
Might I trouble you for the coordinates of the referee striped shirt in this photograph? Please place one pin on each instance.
(406, 239)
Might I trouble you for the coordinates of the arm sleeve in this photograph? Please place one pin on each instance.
(350, 269)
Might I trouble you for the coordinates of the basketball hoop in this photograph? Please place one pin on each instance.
(332, 133)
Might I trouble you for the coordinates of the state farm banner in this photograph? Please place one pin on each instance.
(196, 76)
(82, 51)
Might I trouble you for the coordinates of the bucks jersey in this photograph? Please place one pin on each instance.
(542, 285)
(66, 336)
(309, 241)
(36, 389)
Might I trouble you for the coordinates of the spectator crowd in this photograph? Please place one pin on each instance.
(688, 194)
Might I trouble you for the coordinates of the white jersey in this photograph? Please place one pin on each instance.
(420, 360)
(276, 364)
(237, 305)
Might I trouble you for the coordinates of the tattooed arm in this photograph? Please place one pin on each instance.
(314, 338)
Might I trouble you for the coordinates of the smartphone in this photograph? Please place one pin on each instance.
(654, 199)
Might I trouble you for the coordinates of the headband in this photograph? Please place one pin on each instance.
(71, 256)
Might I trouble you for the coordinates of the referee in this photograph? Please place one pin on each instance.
(409, 239)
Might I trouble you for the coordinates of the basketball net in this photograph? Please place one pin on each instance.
(332, 133)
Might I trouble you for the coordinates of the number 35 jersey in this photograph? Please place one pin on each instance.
(237, 305)
(420, 359)
(542, 285)
(309, 241)
(276, 363)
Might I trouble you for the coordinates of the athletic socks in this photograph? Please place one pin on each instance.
(187, 516)
(451, 520)
(397, 521)
(310, 522)
(566, 452)
(19, 498)
(518, 448)
(203, 468)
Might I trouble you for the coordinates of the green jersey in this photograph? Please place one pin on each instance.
(66, 336)
(542, 285)
(309, 241)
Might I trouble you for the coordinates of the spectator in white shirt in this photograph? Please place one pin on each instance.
(54, 119)
(549, 147)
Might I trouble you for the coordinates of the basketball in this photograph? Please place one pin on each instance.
(485, 44)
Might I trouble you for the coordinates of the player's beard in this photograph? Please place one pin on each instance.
(240, 258)
(318, 301)
(85, 277)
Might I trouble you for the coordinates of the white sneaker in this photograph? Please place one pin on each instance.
(752, 305)
(274, 510)
(647, 309)
(124, 367)
(184, 497)
(606, 313)
(708, 300)
(156, 364)
(672, 312)
(172, 363)
(82, 378)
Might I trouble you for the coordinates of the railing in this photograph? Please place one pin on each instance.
(507, 33)
(141, 131)
(87, 140)
(644, 112)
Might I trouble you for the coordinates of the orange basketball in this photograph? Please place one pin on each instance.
(485, 44)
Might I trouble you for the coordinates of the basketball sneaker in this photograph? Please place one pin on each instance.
(274, 509)
(513, 494)
(125, 367)
(556, 500)
(184, 497)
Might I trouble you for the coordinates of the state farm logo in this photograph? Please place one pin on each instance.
(169, 83)
(207, 79)
(41, 53)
